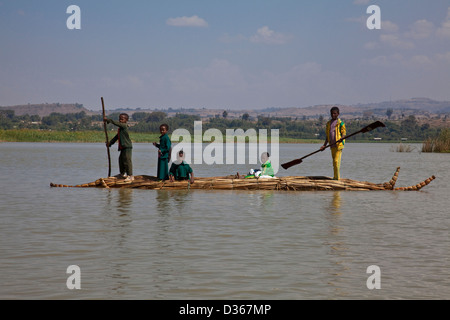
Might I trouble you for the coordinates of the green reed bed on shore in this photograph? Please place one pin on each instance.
(34, 135)
(92, 136)
(438, 144)
(402, 148)
(27, 135)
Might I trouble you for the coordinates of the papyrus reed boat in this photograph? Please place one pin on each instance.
(297, 183)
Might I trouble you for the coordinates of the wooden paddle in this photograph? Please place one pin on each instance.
(107, 140)
(370, 127)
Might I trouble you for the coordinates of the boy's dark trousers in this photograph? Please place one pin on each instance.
(125, 163)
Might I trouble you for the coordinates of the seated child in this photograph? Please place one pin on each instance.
(180, 170)
(266, 170)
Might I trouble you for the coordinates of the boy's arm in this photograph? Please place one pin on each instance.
(117, 123)
(172, 172)
(192, 176)
(172, 169)
(324, 144)
(113, 140)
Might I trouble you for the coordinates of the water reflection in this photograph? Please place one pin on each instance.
(118, 219)
(336, 241)
(118, 207)
(169, 237)
(266, 199)
(336, 202)
(261, 200)
(162, 202)
(124, 202)
(172, 201)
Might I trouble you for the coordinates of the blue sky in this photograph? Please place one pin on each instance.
(227, 54)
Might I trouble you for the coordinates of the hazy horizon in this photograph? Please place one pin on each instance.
(254, 54)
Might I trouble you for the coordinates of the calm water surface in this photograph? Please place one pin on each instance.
(147, 244)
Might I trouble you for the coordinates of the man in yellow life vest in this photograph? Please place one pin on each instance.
(335, 130)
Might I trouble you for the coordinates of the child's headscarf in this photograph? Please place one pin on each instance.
(180, 157)
(264, 157)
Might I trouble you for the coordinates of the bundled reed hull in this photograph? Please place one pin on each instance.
(297, 183)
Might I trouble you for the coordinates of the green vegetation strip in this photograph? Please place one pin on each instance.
(26, 135)
(439, 144)
(31, 135)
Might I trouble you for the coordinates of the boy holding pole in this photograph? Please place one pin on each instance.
(125, 146)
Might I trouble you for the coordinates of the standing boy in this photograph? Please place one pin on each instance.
(335, 130)
(125, 146)
(164, 149)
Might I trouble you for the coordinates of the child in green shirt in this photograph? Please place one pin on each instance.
(164, 149)
(180, 170)
(266, 170)
(125, 146)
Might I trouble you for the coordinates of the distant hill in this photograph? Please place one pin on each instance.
(46, 109)
(414, 106)
(419, 107)
(424, 104)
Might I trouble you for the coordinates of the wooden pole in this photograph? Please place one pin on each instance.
(107, 140)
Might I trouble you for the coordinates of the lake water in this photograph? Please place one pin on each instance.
(198, 244)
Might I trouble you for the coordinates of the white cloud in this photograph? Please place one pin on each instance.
(444, 58)
(267, 36)
(419, 61)
(389, 26)
(444, 30)
(385, 60)
(263, 35)
(421, 29)
(396, 41)
(193, 21)
(398, 60)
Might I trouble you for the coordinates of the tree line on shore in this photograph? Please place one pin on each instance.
(396, 130)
